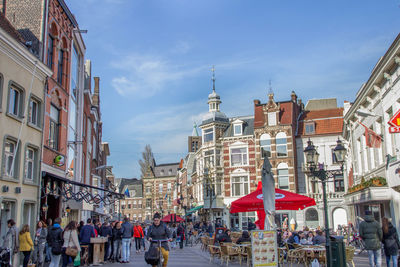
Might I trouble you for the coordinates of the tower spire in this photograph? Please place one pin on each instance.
(270, 92)
(213, 77)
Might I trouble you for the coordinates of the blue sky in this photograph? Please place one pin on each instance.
(154, 59)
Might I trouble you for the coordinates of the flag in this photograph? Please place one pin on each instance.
(166, 195)
(127, 193)
(372, 139)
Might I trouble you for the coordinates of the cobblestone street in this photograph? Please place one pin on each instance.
(194, 257)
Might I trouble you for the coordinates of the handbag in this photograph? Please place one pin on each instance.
(71, 251)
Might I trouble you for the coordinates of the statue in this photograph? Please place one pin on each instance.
(268, 189)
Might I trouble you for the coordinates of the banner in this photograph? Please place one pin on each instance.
(264, 248)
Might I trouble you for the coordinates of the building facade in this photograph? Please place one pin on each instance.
(22, 105)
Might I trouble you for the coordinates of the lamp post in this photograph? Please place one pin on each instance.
(317, 170)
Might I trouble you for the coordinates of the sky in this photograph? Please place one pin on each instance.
(154, 60)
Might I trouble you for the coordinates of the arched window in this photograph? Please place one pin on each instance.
(283, 176)
(265, 144)
(311, 215)
(281, 145)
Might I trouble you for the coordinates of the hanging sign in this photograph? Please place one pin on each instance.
(59, 160)
(394, 122)
(264, 248)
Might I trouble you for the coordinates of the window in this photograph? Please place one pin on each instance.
(208, 135)
(169, 187)
(75, 72)
(129, 205)
(148, 189)
(160, 187)
(30, 164)
(209, 158)
(219, 185)
(15, 101)
(54, 125)
(238, 156)
(237, 128)
(3, 6)
(281, 145)
(170, 172)
(310, 128)
(265, 144)
(240, 186)
(50, 54)
(9, 154)
(283, 176)
(272, 118)
(218, 157)
(60, 66)
(34, 112)
(148, 203)
(339, 183)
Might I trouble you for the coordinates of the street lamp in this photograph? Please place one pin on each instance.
(319, 172)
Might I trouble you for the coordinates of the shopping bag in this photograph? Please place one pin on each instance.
(77, 260)
(315, 263)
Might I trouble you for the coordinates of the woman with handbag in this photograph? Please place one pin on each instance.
(390, 242)
(40, 243)
(25, 244)
(71, 246)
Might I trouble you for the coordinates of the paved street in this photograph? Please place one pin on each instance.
(194, 257)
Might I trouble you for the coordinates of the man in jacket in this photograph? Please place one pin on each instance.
(180, 233)
(55, 241)
(159, 231)
(87, 232)
(371, 233)
(127, 234)
(106, 231)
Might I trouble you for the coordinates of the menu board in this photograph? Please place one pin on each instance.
(264, 249)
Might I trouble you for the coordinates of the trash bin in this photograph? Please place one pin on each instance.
(338, 252)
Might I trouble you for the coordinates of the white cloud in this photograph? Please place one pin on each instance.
(181, 47)
(145, 75)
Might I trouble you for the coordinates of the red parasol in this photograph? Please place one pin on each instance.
(172, 218)
(284, 200)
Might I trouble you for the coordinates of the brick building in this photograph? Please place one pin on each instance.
(133, 204)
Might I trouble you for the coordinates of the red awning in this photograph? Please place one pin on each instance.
(284, 200)
(172, 218)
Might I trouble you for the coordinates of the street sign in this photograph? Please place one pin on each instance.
(395, 120)
(394, 129)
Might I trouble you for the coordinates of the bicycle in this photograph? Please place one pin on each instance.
(160, 256)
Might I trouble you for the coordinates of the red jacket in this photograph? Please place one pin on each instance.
(138, 231)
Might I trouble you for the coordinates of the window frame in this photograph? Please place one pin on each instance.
(308, 124)
(56, 133)
(50, 52)
(264, 146)
(340, 178)
(21, 100)
(281, 145)
(16, 155)
(242, 183)
(208, 132)
(60, 66)
(283, 167)
(36, 169)
(39, 111)
(1, 90)
(240, 125)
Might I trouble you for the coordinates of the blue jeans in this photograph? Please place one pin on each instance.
(394, 260)
(126, 249)
(375, 258)
(55, 260)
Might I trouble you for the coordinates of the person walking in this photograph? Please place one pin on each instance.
(87, 232)
(25, 244)
(138, 235)
(11, 242)
(54, 239)
(48, 249)
(70, 241)
(159, 231)
(371, 232)
(390, 242)
(180, 234)
(127, 234)
(106, 231)
(39, 244)
(117, 237)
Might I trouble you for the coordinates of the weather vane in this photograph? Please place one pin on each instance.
(213, 76)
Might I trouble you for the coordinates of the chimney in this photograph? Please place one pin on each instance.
(96, 92)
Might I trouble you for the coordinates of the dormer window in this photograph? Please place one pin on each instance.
(310, 127)
(237, 128)
(208, 135)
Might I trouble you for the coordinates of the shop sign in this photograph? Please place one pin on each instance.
(264, 248)
(394, 123)
(59, 160)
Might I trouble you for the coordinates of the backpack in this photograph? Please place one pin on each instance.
(152, 256)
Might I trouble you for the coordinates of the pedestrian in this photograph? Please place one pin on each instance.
(319, 239)
(371, 232)
(225, 237)
(390, 242)
(86, 233)
(25, 244)
(106, 231)
(180, 235)
(138, 235)
(159, 231)
(48, 250)
(117, 237)
(144, 234)
(81, 224)
(54, 239)
(40, 243)
(11, 242)
(127, 234)
(70, 241)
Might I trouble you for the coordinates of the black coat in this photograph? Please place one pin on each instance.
(390, 241)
